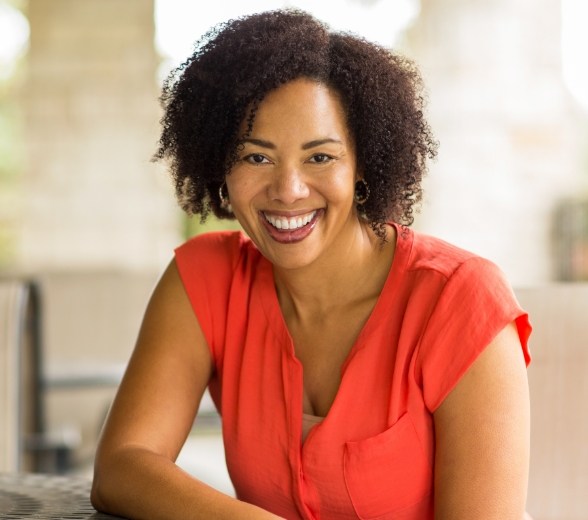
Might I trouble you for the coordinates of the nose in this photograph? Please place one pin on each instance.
(288, 185)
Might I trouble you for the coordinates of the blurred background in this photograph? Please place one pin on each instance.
(88, 222)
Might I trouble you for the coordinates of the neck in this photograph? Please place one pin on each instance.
(347, 277)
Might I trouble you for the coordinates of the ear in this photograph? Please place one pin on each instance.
(361, 192)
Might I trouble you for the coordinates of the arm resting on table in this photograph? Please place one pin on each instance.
(135, 474)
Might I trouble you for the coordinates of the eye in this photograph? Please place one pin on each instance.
(255, 158)
(321, 158)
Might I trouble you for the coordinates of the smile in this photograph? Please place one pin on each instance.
(290, 223)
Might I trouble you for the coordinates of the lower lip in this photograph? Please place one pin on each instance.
(291, 236)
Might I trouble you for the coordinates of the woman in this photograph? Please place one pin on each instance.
(361, 370)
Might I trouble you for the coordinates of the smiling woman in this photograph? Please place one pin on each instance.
(294, 176)
(211, 104)
(361, 370)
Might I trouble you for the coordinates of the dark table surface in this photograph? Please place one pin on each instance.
(35, 496)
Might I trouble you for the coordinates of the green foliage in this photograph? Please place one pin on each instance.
(192, 225)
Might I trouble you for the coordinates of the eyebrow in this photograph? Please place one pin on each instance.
(319, 142)
(258, 142)
(306, 146)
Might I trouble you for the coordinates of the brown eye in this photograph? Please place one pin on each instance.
(321, 158)
(255, 158)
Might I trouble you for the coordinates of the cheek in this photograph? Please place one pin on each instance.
(341, 185)
(242, 188)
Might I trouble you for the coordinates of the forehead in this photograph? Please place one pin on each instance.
(301, 105)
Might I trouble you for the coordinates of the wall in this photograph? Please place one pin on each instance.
(510, 132)
(92, 197)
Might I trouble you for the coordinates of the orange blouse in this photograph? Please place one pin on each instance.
(372, 456)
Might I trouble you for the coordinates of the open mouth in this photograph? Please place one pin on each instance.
(290, 229)
(290, 223)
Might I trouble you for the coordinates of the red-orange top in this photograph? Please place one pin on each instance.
(372, 456)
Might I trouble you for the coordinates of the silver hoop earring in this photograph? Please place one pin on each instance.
(362, 192)
(223, 195)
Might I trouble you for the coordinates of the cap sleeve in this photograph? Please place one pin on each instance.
(206, 264)
(476, 303)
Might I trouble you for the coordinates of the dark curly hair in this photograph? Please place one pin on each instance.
(235, 65)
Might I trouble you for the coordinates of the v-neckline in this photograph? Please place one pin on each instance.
(277, 322)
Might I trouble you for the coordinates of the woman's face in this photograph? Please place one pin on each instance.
(292, 186)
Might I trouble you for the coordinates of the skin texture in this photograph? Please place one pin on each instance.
(482, 437)
(150, 418)
(236, 65)
(299, 158)
(327, 286)
(327, 283)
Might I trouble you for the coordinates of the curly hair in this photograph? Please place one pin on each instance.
(235, 65)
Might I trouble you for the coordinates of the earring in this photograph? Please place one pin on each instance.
(223, 195)
(362, 192)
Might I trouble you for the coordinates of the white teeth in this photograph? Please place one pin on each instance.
(290, 223)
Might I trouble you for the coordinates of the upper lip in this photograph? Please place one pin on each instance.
(288, 214)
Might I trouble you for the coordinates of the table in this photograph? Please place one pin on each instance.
(35, 496)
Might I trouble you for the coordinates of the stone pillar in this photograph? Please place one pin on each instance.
(92, 197)
(507, 125)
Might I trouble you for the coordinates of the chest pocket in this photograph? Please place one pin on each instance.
(387, 473)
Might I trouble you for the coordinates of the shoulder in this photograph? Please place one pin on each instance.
(212, 259)
(467, 301)
(455, 275)
(433, 267)
(213, 268)
(433, 254)
(218, 244)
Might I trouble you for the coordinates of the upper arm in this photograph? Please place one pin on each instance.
(165, 379)
(482, 437)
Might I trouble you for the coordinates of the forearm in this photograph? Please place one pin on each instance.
(140, 484)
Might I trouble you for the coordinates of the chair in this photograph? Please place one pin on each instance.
(20, 382)
(558, 382)
(25, 444)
